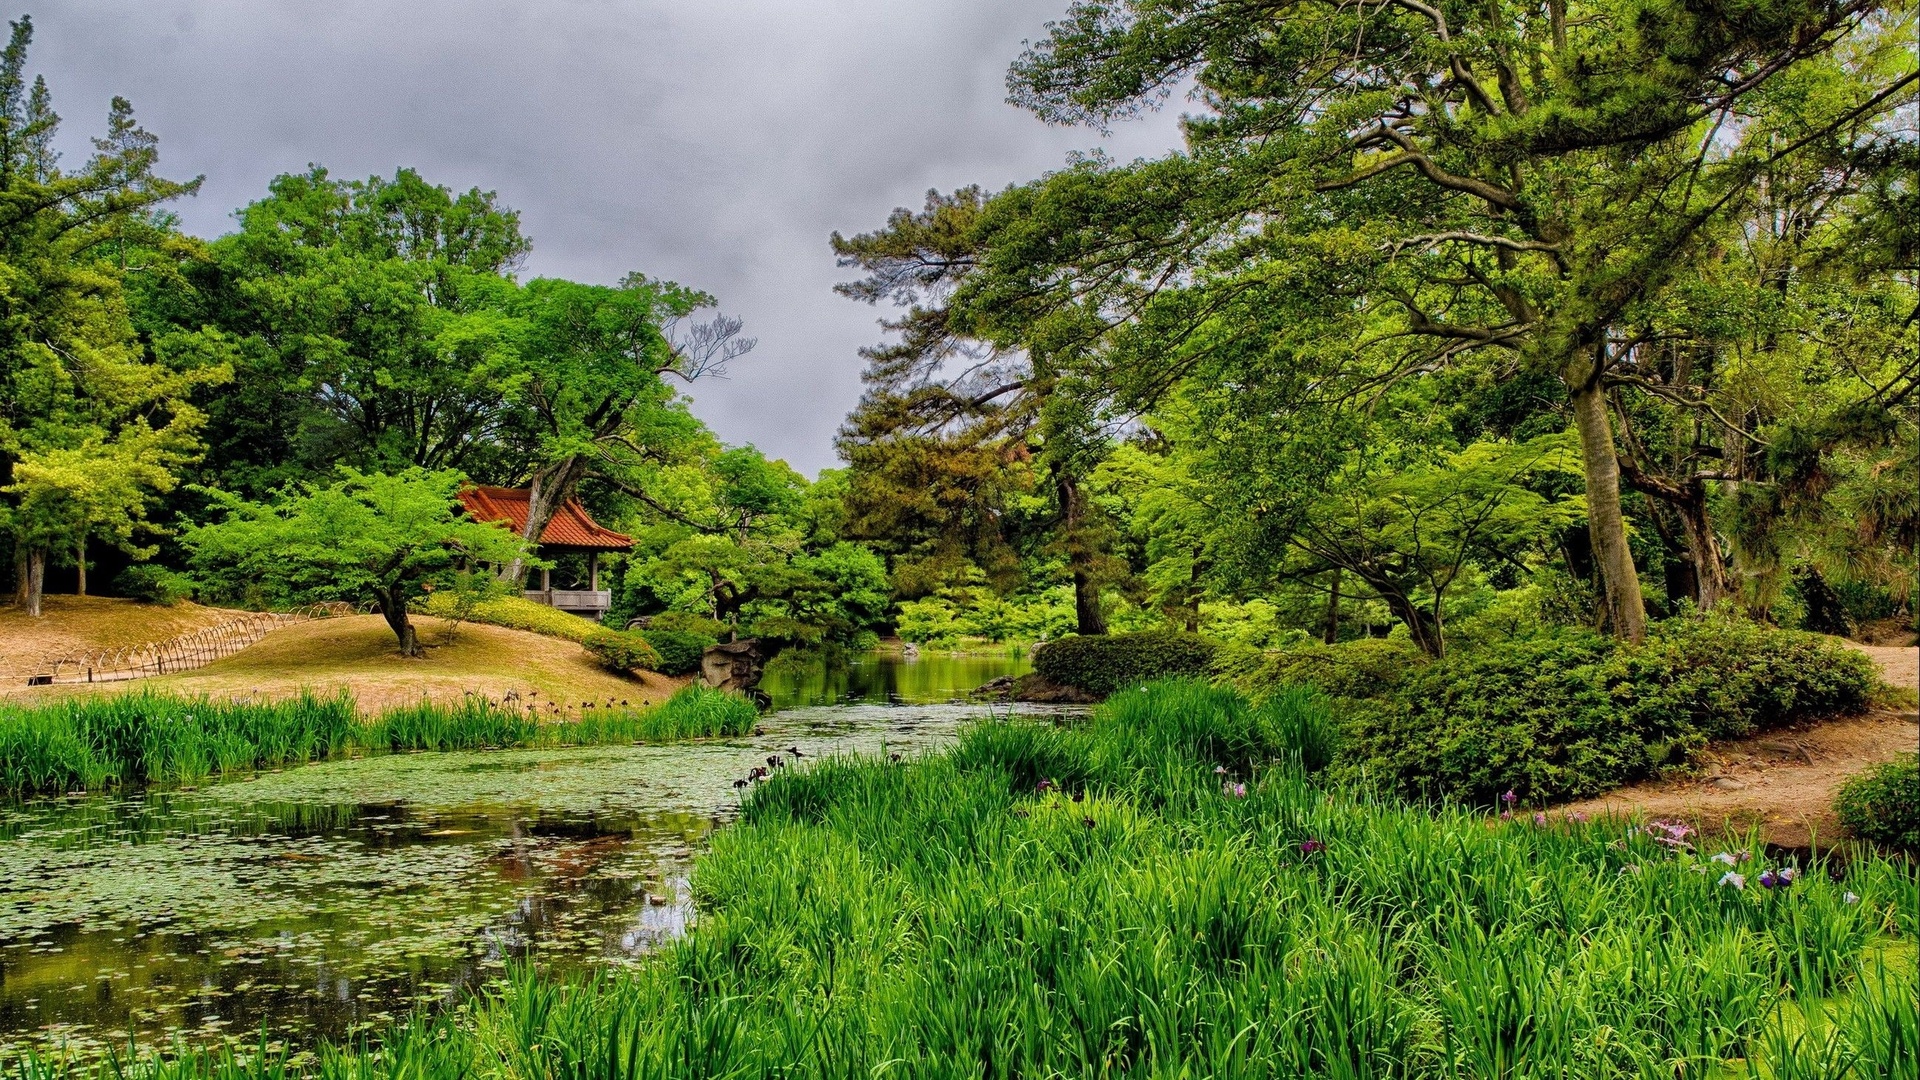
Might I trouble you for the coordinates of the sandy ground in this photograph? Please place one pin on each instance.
(358, 654)
(1782, 782)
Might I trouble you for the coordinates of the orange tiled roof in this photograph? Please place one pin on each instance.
(570, 527)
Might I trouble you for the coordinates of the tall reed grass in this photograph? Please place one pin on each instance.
(1105, 900)
(141, 738)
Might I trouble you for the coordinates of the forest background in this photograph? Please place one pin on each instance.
(1447, 331)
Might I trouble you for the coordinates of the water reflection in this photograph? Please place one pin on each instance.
(885, 678)
(331, 899)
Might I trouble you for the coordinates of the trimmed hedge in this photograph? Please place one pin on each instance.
(1106, 663)
(1883, 804)
(519, 613)
(1570, 714)
(623, 650)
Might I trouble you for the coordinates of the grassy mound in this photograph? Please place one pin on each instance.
(356, 655)
(109, 741)
(1163, 892)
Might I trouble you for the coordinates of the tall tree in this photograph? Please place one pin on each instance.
(591, 397)
(371, 326)
(1514, 180)
(952, 427)
(90, 426)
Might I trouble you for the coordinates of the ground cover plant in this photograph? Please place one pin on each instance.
(1167, 890)
(139, 738)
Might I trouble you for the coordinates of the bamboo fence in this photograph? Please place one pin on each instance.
(184, 652)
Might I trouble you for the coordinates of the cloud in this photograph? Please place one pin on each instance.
(714, 142)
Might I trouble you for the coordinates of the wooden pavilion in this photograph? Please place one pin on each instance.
(571, 532)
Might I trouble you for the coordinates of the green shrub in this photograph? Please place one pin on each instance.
(1569, 714)
(154, 584)
(623, 650)
(1102, 664)
(679, 650)
(1367, 668)
(1883, 804)
(515, 613)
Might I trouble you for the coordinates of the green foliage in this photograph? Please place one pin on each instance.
(956, 616)
(154, 584)
(1104, 664)
(678, 651)
(623, 650)
(1570, 714)
(946, 917)
(1883, 804)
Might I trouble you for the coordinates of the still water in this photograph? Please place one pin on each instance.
(331, 899)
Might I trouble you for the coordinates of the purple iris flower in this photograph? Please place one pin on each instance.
(1309, 847)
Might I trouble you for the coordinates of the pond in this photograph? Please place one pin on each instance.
(331, 899)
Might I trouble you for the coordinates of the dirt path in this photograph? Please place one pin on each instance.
(1784, 781)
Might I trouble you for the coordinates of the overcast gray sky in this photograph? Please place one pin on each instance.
(714, 142)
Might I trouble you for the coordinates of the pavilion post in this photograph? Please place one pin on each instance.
(593, 570)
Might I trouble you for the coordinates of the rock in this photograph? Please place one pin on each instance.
(1728, 783)
(1031, 687)
(734, 665)
(999, 689)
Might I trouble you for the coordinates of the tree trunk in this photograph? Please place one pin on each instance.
(1625, 609)
(1420, 625)
(549, 491)
(1703, 551)
(393, 608)
(36, 579)
(1331, 634)
(1088, 618)
(80, 561)
(20, 572)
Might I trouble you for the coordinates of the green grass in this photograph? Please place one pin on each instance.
(1099, 900)
(143, 738)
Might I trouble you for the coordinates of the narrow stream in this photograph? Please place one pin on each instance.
(331, 899)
